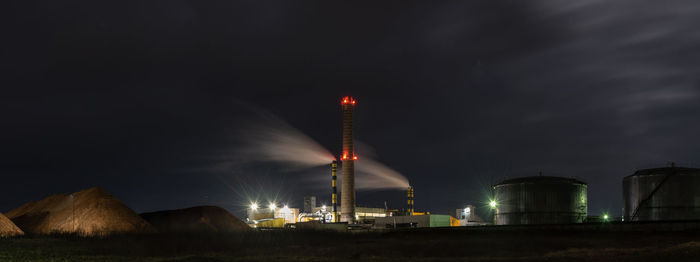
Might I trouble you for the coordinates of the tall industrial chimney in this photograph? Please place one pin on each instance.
(347, 205)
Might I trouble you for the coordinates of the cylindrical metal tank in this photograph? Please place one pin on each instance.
(540, 200)
(668, 193)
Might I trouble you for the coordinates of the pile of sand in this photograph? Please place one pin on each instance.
(195, 219)
(89, 212)
(7, 228)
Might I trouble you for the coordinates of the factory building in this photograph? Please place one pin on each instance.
(415, 221)
(288, 214)
(467, 213)
(363, 215)
(467, 216)
(309, 204)
(539, 200)
(667, 193)
(284, 215)
(311, 212)
(367, 215)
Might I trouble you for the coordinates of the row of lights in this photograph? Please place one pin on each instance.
(492, 204)
(272, 206)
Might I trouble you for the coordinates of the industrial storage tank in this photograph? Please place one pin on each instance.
(667, 193)
(540, 200)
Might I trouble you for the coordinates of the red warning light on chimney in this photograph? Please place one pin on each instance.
(346, 157)
(348, 100)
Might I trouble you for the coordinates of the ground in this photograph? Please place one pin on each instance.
(410, 245)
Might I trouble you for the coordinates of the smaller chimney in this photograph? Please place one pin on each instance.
(410, 200)
(334, 194)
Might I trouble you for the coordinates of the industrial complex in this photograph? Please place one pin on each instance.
(664, 194)
(658, 194)
(347, 213)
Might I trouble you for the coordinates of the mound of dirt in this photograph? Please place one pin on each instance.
(89, 212)
(195, 219)
(7, 228)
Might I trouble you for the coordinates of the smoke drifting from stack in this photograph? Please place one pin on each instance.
(274, 140)
(270, 139)
(372, 174)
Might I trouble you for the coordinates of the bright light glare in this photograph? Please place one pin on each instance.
(272, 206)
(605, 217)
(254, 206)
(493, 204)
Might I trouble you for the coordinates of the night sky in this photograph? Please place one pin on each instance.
(151, 100)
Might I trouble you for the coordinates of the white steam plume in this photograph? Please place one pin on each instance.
(371, 174)
(276, 141)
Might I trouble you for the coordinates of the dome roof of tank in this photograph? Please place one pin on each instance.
(664, 171)
(540, 179)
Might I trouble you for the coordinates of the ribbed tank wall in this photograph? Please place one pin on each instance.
(662, 194)
(541, 201)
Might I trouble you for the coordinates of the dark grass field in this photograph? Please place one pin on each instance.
(415, 245)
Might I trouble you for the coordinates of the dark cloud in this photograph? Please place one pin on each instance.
(133, 96)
